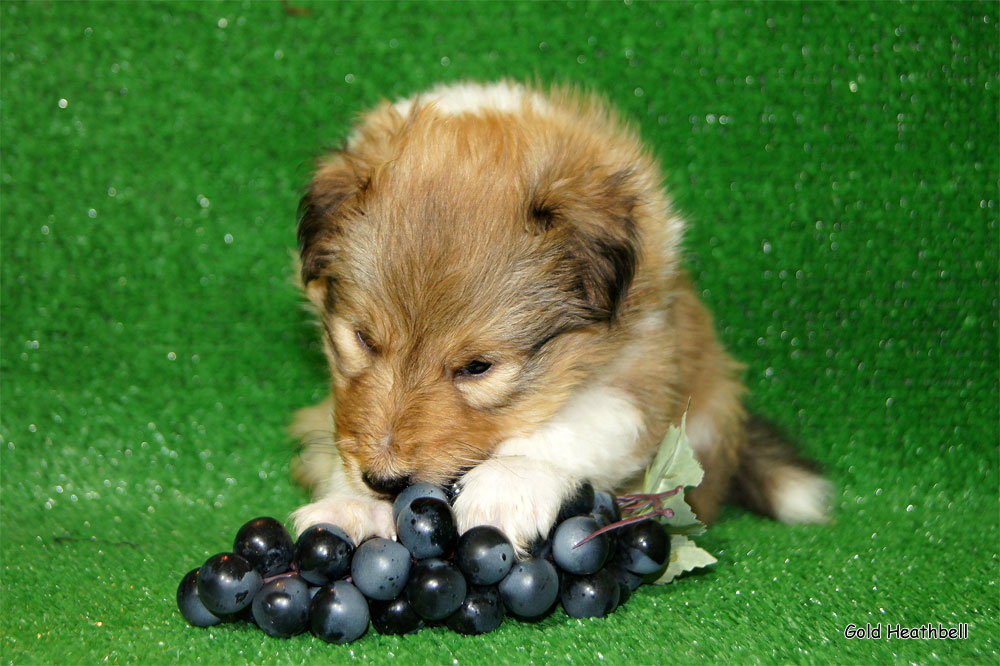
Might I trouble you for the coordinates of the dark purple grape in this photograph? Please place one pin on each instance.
(323, 554)
(616, 567)
(190, 605)
(227, 583)
(594, 595)
(605, 509)
(628, 582)
(580, 503)
(585, 559)
(485, 555)
(436, 589)
(266, 544)
(480, 613)
(624, 591)
(413, 492)
(395, 616)
(531, 587)
(339, 613)
(427, 528)
(281, 607)
(452, 489)
(380, 568)
(644, 547)
(541, 547)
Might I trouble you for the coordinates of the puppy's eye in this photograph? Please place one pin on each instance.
(365, 341)
(474, 368)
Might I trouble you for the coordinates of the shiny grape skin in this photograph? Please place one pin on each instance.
(436, 589)
(531, 587)
(227, 583)
(394, 617)
(480, 613)
(644, 547)
(190, 605)
(580, 503)
(453, 489)
(628, 582)
(588, 557)
(266, 544)
(380, 568)
(339, 613)
(427, 528)
(323, 554)
(605, 509)
(625, 577)
(281, 607)
(485, 555)
(413, 492)
(594, 595)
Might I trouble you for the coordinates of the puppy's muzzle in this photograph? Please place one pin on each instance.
(385, 486)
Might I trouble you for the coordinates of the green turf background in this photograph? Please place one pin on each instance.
(838, 163)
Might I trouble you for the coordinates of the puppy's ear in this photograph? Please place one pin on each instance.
(337, 193)
(333, 194)
(588, 217)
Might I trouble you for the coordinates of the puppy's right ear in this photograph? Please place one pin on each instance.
(333, 195)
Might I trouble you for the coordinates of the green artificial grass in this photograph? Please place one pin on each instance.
(839, 167)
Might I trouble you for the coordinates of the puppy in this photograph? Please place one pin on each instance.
(496, 270)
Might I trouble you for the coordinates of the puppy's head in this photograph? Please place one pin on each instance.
(469, 271)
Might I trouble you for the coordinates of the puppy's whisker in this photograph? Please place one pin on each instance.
(490, 456)
(501, 458)
(314, 435)
(472, 462)
(321, 440)
(479, 454)
(475, 448)
(314, 432)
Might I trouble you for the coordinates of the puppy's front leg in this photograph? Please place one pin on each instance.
(598, 436)
(349, 505)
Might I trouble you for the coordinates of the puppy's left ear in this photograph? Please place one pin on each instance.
(332, 195)
(588, 215)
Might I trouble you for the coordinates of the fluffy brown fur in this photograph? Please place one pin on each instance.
(538, 242)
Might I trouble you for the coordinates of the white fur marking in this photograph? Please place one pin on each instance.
(801, 497)
(591, 437)
(520, 489)
(461, 98)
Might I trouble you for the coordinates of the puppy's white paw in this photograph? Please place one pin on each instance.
(515, 494)
(360, 517)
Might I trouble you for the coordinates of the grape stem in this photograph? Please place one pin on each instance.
(288, 574)
(642, 506)
(627, 500)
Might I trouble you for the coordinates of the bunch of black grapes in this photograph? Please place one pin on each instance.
(430, 576)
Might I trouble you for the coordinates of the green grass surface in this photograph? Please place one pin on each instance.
(838, 163)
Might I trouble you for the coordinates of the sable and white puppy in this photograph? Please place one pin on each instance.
(497, 274)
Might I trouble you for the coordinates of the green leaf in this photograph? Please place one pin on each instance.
(674, 464)
(684, 556)
(684, 521)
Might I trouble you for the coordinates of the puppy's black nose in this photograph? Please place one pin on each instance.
(386, 486)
